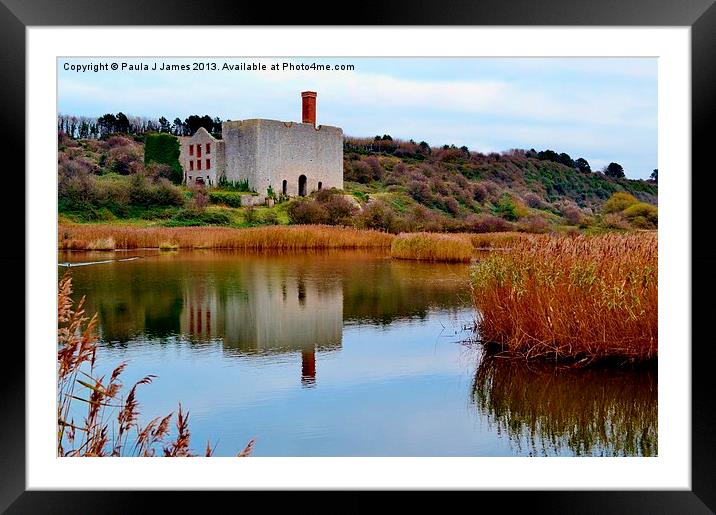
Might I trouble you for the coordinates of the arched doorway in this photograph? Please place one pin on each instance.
(284, 186)
(320, 185)
(302, 185)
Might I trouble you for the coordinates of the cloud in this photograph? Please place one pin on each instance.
(598, 107)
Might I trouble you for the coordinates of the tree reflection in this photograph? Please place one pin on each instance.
(585, 412)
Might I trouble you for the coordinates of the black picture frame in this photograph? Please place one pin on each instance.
(700, 15)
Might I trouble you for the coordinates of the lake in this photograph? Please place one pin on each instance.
(343, 354)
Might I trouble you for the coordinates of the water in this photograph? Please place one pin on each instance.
(342, 354)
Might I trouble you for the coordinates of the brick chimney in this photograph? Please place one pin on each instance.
(309, 107)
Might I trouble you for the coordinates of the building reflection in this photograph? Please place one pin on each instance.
(262, 305)
(262, 310)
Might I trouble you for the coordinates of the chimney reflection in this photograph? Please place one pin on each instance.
(308, 368)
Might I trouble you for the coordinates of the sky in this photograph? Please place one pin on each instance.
(601, 109)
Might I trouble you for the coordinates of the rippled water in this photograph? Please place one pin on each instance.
(343, 354)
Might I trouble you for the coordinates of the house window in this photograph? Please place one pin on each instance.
(191, 150)
(191, 165)
(208, 148)
(198, 164)
(208, 164)
(198, 150)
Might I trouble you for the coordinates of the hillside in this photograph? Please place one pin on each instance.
(395, 186)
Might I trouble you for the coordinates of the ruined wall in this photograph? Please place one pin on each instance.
(215, 157)
(267, 152)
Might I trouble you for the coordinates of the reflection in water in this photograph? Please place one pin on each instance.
(259, 304)
(349, 353)
(585, 412)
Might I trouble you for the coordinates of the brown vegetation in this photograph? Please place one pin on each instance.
(111, 424)
(432, 247)
(576, 298)
(84, 237)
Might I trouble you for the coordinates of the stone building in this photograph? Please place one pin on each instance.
(289, 157)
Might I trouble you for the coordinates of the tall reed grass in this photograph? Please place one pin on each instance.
(111, 424)
(502, 240)
(87, 237)
(431, 247)
(571, 298)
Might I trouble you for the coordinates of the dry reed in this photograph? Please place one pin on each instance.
(501, 240)
(571, 298)
(111, 425)
(87, 237)
(431, 247)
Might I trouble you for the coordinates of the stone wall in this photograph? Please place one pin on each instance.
(268, 152)
(215, 156)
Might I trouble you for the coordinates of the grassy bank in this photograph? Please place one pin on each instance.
(571, 298)
(432, 247)
(109, 237)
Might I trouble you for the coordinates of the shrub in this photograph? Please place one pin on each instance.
(227, 198)
(614, 221)
(124, 160)
(509, 208)
(359, 171)
(534, 224)
(479, 192)
(377, 215)
(270, 218)
(142, 192)
(618, 202)
(199, 198)
(339, 210)
(572, 215)
(250, 215)
(420, 191)
(376, 169)
(647, 215)
(487, 223)
(306, 211)
(163, 148)
(534, 201)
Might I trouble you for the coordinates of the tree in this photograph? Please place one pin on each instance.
(582, 165)
(164, 125)
(107, 124)
(566, 160)
(194, 122)
(614, 170)
(163, 148)
(122, 123)
(177, 127)
(655, 175)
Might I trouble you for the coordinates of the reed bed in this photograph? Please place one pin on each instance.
(501, 240)
(110, 425)
(431, 247)
(88, 237)
(579, 298)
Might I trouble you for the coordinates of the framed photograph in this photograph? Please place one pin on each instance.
(278, 253)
